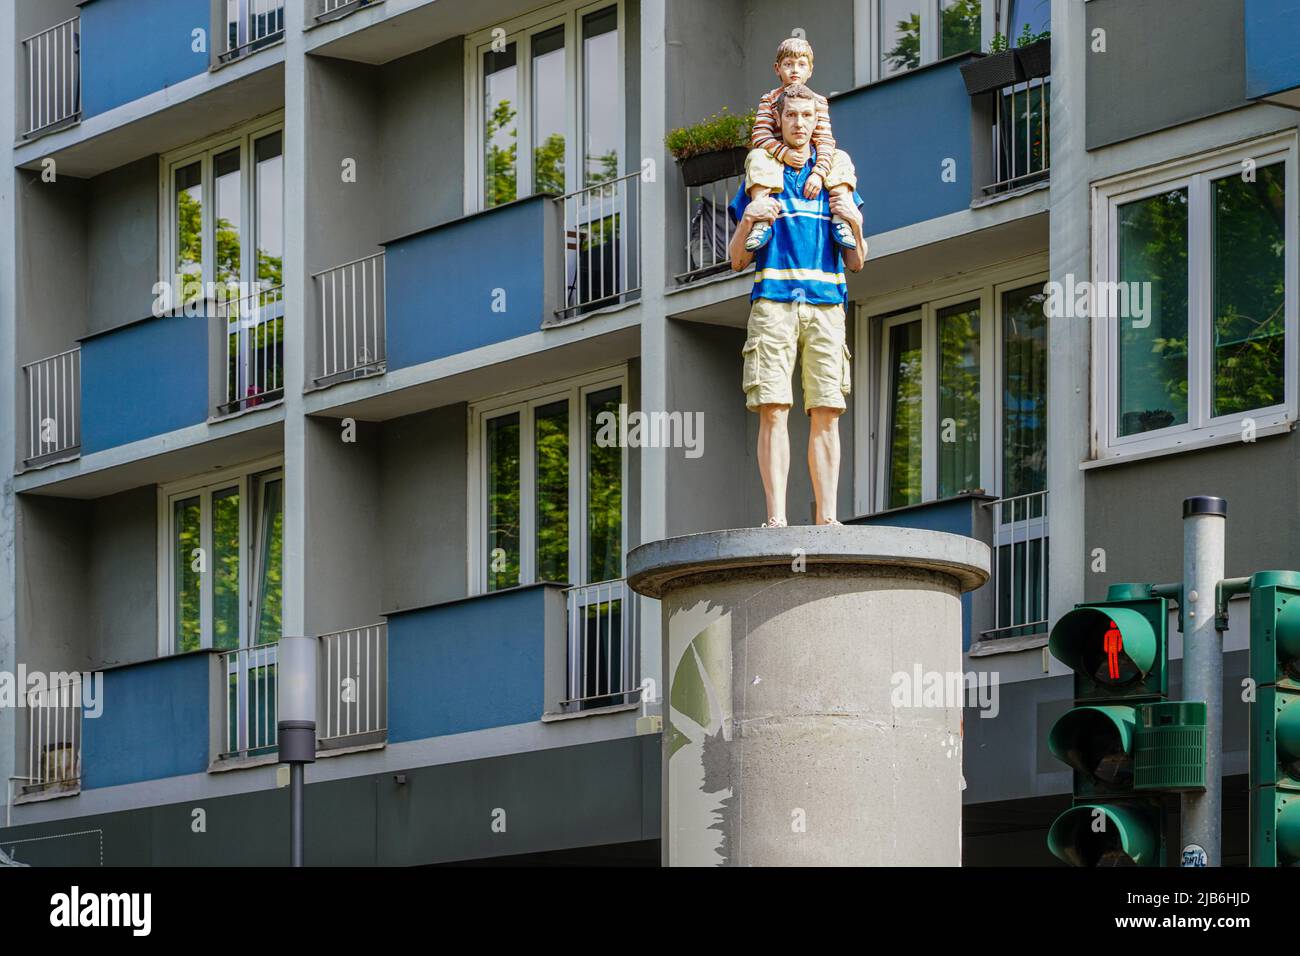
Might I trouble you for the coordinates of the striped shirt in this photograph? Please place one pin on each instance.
(800, 261)
(767, 131)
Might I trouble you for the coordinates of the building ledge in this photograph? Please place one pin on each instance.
(549, 718)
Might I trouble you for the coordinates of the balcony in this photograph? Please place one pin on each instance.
(1272, 55)
(53, 78)
(604, 651)
(323, 11)
(1020, 122)
(351, 301)
(249, 26)
(54, 736)
(602, 246)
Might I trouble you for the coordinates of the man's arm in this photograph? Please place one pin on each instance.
(844, 207)
(761, 210)
(766, 133)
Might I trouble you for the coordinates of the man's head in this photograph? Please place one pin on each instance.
(796, 108)
(794, 61)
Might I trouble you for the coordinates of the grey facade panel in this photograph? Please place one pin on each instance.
(1166, 62)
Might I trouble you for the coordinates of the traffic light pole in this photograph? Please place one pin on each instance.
(1204, 525)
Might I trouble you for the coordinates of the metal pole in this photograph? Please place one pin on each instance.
(1204, 526)
(295, 813)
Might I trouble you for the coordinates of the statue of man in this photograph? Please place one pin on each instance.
(797, 305)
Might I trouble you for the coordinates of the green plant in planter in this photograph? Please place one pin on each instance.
(1028, 36)
(722, 130)
(998, 44)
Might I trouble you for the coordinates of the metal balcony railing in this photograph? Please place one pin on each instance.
(352, 327)
(709, 228)
(254, 349)
(332, 9)
(1019, 578)
(54, 735)
(1021, 121)
(53, 76)
(602, 245)
(353, 701)
(251, 699)
(53, 406)
(251, 25)
(604, 645)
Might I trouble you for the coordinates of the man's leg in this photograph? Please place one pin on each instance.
(763, 176)
(824, 459)
(774, 457)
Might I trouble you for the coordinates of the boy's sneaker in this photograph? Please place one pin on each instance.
(842, 232)
(774, 523)
(758, 236)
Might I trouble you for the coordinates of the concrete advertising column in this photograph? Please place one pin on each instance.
(810, 713)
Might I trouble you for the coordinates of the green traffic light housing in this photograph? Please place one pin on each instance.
(1108, 834)
(1097, 743)
(1115, 648)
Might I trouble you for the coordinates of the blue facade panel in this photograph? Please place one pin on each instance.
(466, 284)
(154, 723)
(143, 379)
(1272, 51)
(131, 48)
(466, 666)
(952, 515)
(901, 133)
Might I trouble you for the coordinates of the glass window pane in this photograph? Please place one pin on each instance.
(187, 580)
(548, 111)
(500, 111)
(904, 480)
(601, 88)
(1153, 359)
(268, 155)
(900, 35)
(1024, 392)
(552, 451)
(604, 492)
(270, 546)
(188, 197)
(959, 26)
(959, 398)
(1037, 14)
(229, 220)
(1249, 291)
(502, 442)
(225, 568)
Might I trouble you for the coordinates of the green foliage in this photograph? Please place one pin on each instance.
(998, 44)
(501, 161)
(548, 165)
(906, 53)
(722, 130)
(1028, 36)
(960, 28)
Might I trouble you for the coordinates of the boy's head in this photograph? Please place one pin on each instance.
(794, 61)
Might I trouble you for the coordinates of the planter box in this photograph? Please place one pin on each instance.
(710, 167)
(1035, 59)
(991, 72)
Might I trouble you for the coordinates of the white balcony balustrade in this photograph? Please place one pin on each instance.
(53, 76)
(604, 646)
(352, 327)
(709, 228)
(602, 245)
(353, 697)
(53, 406)
(54, 716)
(1019, 579)
(254, 349)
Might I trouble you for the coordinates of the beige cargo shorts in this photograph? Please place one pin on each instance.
(776, 332)
(762, 169)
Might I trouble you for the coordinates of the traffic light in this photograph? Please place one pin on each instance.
(1118, 650)
(1275, 718)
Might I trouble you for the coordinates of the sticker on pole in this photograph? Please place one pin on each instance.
(1194, 855)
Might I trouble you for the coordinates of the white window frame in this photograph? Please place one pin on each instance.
(866, 35)
(871, 425)
(575, 390)
(520, 31)
(1197, 175)
(203, 488)
(204, 152)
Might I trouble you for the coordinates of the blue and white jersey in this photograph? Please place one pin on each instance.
(800, 260)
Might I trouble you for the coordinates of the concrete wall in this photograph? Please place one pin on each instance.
(122, 229)
(422, 518)
(423, 136)
(53, 584)
(122, 574)
(1166, 62)
(52, 264)
(344, 555)
(827, 25)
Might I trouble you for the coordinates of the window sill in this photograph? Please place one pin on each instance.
(550, 718)
(1191, 444)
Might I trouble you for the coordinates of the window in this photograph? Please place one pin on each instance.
(908, 33)
(931, 403)
(554, 83)
(546, 485)
(221, 557)
(1194, 313)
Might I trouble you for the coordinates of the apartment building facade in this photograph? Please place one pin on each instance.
(394, 436)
